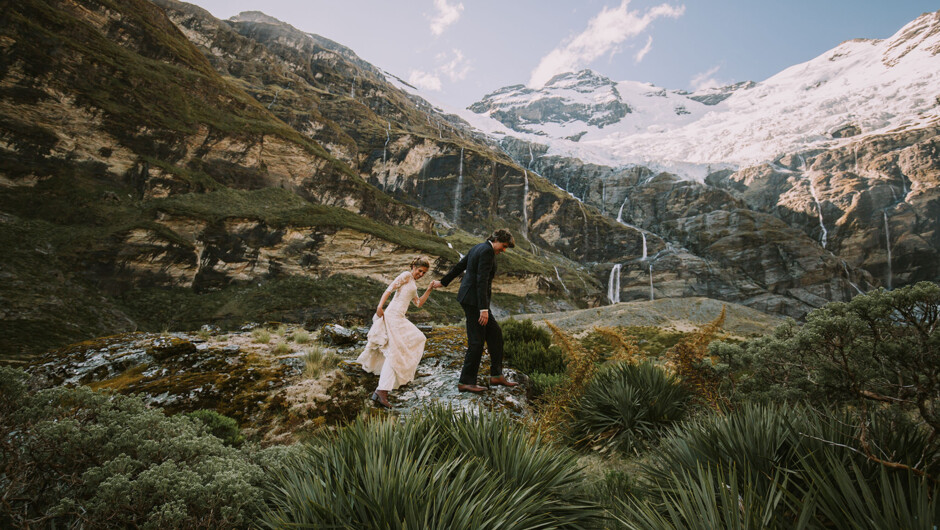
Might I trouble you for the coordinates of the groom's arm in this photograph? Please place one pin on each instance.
(455, 271)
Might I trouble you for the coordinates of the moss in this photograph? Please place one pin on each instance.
(129, 378)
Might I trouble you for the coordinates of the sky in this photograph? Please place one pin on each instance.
(457, 51)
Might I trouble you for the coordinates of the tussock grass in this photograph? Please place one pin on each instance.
(281, 348)
(318, 360)
(300, 336)
(261, 335)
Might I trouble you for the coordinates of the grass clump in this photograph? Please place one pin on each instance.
(300, 336)
(281, 348)
(261, 335)
(318, 360)
(437, 469)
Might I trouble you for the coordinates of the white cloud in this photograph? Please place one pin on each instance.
(455, 68)
(704, 80)
(646, 49)
(444, 16)
(424, 80)
(604, 33)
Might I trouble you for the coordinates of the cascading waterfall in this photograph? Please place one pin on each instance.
(525, 213)
(888, 246)
(848, 277)
(613, 285)
(812, 190)
(388, 136)
(459, 188)
(652, 297)
(642, 233)
(531, 156)
(562, 282)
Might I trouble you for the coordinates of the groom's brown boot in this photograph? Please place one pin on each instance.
(476, 389)
(501, 380)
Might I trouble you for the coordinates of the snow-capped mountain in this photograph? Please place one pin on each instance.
(862, 87)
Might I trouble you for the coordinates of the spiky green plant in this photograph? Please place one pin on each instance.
(628, 405)
(705, 499)
(840, 495)
(440, 469)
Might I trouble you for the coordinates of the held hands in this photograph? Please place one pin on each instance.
(436, 284)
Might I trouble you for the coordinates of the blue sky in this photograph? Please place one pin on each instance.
(457, 51)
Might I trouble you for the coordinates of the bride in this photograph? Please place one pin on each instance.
(395, 345)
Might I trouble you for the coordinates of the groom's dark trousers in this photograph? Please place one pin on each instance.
(479, 268)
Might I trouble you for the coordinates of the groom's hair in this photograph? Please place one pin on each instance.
(503, 236)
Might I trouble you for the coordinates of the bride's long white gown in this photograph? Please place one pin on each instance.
(395, 344)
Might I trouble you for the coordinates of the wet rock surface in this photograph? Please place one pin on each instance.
(266, 386)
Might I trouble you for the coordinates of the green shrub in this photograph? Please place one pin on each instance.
(529, 349)
(91, 460)
(438, 469)
(629, 405)
(222, 427)
(541, 384)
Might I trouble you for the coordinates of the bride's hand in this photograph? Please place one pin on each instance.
(380, 312)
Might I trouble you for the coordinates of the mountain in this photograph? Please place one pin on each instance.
(860, 88)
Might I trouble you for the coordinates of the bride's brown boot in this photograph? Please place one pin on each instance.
(381, 397)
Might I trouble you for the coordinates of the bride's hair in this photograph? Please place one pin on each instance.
(420, 261)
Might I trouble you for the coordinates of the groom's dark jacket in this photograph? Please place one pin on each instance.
(477, 283)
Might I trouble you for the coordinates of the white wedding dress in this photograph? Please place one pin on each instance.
(395, 344)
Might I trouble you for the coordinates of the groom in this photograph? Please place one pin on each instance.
(474, 295)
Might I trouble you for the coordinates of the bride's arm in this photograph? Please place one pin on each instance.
(424, 297)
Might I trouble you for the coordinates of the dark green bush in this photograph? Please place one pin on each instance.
(76, 458)
(629, 405)
(220, 426)
(439, 469)
(529, 349)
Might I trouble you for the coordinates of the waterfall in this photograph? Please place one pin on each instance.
(603, 198)
(812, 190)
(388, 136)
(613, 285)
(651, 283)
(848, 278)
(856, 158)
(642, 233)
(459, 188)
(566, 288)
(888, 245)
(525, 213)
(531, 156)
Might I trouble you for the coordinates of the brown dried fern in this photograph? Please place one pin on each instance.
(557, 404)
(625, 347)
(686, 358)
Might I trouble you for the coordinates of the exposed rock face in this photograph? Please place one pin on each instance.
(704, 240)
(877, 196)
